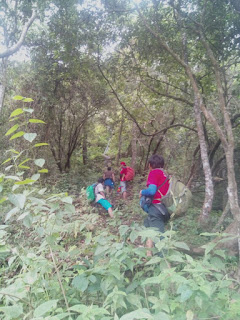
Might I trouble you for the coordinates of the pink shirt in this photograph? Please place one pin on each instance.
(157, 177)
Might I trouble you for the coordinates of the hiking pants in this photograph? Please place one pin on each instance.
(154, 219)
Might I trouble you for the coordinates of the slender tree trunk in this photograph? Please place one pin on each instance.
(209, 190)
(148, 152)
(3, 80)
(120, 139)
(84, 145)
(134, 145)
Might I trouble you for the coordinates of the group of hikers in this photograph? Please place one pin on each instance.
(157, 186)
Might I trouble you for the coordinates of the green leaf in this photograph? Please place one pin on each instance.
(12, 312)
(41, 144)
(13, 178)
(35, 176)
(11, 213)
(17, 135)
(29, 110)
(39, 162)
(80, 282)
(137, 314)
(16, 112)
(27, 181)
(30, 136)
(12, 129)
(18, 200)
(3, 199)
(67, 200)
(1, 188)
(28, 100)
(26, 160)
(9, 159)
(153, 260)
(23, 215)
(24, 167)
(36, 121)
(18, 98)
(45, 308)
(162, 316)
(181, 245)
(43, 171)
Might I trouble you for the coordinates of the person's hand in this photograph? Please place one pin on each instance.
(140, 194)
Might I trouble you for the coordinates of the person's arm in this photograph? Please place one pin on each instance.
(104, 176)
(150, 191)
(113, 177)
(102, 193)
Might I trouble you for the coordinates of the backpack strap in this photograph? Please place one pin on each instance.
(167, 179)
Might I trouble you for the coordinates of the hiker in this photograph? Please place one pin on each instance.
(157, 186)
(100, 197)
(123, 182)
(109, 179)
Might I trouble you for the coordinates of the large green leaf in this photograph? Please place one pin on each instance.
(35, 176)
(36, 121)
(45, 308)
(18, 98)
(29, 110)
(17, 135)
(26, 181)
(16, 112)
(7, 160)
(67, 200)
(12, 312)
(26, 160)
(39, 162)
(30, 136)
(41, 144)
(138, 314)
(12, 129)
(80, 282)
(11, 213)
(28, 100)
(181, 245)
(43, 171)
(12, 178)
(18, 200)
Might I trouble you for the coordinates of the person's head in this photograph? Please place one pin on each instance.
(123, 164)
(156, 161)
(100, 180)
(109, 168)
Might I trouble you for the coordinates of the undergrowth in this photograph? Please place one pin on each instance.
(64, 259)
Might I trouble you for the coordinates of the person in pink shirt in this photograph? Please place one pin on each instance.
(157, 186)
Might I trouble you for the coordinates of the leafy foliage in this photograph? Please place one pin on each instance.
(62, 264)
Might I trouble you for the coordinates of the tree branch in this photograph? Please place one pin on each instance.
(17, 46)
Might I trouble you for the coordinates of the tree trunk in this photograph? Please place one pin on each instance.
(84, 145)
(120, 139)
(134, 145)
(3, 80)
(209, 190)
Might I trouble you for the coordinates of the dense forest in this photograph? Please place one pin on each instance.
(90, 84)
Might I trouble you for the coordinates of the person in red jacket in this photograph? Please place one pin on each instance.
(123, 182)
(157, 186)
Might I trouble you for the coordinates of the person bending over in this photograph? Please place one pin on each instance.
(100, 197)
(109, 179)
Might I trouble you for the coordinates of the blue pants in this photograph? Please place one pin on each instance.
(154, 219)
